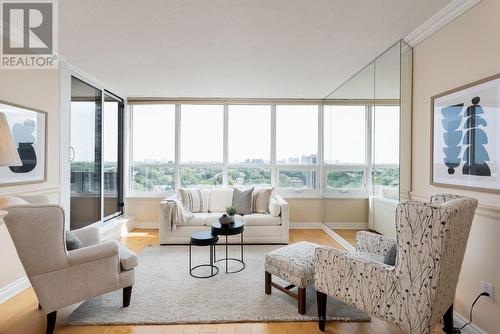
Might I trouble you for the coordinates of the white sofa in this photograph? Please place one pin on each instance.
(382, 218)
(260, 228)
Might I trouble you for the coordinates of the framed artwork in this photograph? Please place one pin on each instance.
(29, 130)
(465, 151)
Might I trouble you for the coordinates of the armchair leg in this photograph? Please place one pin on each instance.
(127, 293)
(267, 283)
(448, 321)
(51, 322)
(321, 301)
(301, 299)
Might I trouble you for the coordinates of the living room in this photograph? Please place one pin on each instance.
(249, 167)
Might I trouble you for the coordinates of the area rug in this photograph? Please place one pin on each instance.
(165, 293)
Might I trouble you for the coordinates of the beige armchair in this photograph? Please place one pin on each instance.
(60, 277)
(415, 293)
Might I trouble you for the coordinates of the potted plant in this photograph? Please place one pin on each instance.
(231, 211)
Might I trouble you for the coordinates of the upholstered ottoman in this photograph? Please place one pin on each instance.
(295, 264)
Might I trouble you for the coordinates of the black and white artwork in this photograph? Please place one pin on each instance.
(28, 129)
(466, 137)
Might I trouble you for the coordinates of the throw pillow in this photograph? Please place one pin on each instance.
(390, 255)
(274, 208)
(72, 241)
(242, 201)
(195, 200)
(261, 199)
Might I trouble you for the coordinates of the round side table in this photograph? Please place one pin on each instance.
(204, 238)
(232, 229)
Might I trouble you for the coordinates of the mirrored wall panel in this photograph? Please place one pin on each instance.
(372, 113)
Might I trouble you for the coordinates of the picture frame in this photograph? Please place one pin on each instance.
(465, 137)
(29, 130)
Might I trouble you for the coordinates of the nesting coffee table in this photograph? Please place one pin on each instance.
(204, 238)
(226, 230)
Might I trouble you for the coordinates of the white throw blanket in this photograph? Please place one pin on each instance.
(179, 215)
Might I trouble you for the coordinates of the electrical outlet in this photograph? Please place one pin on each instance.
(488, 287)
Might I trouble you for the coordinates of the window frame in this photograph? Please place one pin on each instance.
(322, 168)
(131, 164)
(365, 167)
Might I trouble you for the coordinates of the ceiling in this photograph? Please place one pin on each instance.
(232, 48)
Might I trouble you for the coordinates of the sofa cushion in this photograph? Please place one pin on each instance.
(198, 219)
(261, 219)
(195, 200)
(220, 199)
(128, 259)
(213, 217)
(261, 198)
(242, 201)
(7, 201)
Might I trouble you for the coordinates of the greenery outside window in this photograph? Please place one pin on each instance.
(153, 178)
(248, 176)
(297, 179)
(340, 179)
(201, 176)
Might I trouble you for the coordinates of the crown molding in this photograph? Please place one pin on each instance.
(439, 20)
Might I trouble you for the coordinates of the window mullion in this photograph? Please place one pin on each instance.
(320, 178)
(369, 147)
(274, 171)
(225, 146)
(177, 169)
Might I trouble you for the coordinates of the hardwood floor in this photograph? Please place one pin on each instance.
(20, 315)
(348, 234)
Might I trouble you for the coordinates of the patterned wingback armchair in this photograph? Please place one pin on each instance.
(419, 289)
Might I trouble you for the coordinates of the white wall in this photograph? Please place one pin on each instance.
(464, 51)
(38, 89)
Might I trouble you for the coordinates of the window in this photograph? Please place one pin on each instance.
(216, 145)
(297, 179)
(337, 179)
(345, 135)
(248, 176)
(201, 176)
(249, 130)
(153, 148)
(385, 172)
(386, 135)
(297, 134)
(345, 149)
(202, 133)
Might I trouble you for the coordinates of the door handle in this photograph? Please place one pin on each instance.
(71, 153)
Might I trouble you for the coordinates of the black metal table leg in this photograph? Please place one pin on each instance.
(203, 239)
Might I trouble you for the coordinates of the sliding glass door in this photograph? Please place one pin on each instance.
(112, 153)
(96, 154)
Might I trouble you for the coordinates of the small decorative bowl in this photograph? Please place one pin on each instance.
(226, 220)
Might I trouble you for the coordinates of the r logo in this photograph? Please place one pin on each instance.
(28, 28)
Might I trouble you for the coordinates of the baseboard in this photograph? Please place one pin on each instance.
(116, 227)
(348, 226)
(143, 224)
(14, 288)
(459, 321)
(304, 226)
(344, 243)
